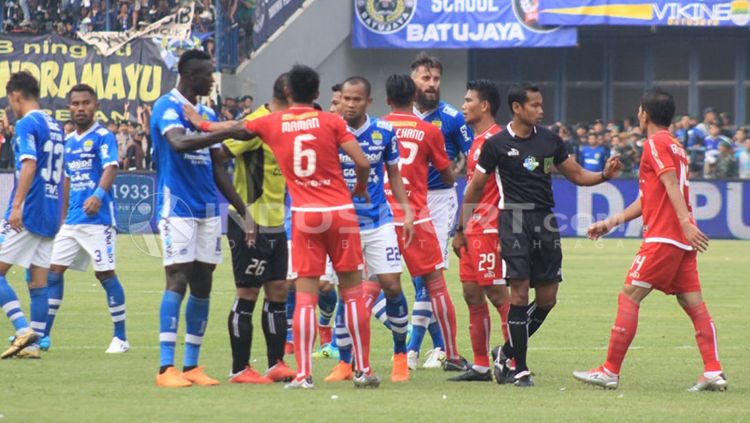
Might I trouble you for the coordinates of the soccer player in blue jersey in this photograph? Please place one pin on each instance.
(88, 233)
(189, 220)
(377, 139)
(442, 199)
(33, 217)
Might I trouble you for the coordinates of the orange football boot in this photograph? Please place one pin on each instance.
(198, 377)
(400, 372)
(172, 378)
(342, 371)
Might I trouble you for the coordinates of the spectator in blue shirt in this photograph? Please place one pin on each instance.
(594, 154)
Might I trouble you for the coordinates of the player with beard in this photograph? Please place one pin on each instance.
(442, 199)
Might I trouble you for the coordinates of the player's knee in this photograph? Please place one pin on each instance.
(326, 286)
(248, 294)
(103, 276)
(57, 268)
(391, 288)
(497, 295)
(276, 291)
(473, 296)
(546, 304)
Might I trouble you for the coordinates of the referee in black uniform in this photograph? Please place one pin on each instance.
(522, 157)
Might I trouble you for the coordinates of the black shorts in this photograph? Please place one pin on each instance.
(530, 246)
(264, 261)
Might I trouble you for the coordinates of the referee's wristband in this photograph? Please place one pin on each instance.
(99, 193)
(604, 177)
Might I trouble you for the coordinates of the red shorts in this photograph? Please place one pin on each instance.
(480, 260)
(317, 234)
(423, 255)
(665, 267)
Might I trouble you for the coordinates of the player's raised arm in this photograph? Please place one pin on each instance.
(182, 142)
(582, 177)
(353, 150)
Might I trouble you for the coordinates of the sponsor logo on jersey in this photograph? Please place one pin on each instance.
(513, 153)
(477, 152)
(385, 16)
(530, 163)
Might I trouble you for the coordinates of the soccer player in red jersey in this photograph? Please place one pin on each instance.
(667, 259)
(419, 144)
(478, 245)
(306, 144)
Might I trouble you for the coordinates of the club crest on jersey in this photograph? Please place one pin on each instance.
(385, 16)
(548, 162)
(377, 138)
(88, 145)
(530, 163)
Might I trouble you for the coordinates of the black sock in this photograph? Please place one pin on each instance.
(163, 369)
(240, 326)
(536, 317)
(274, 329)
(188, 368)
(519, 335)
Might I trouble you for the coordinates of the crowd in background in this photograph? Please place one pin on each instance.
(716, 148)
(68, 17)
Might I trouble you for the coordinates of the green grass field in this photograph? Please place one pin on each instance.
(76, 381)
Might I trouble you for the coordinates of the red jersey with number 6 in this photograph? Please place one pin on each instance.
(484, 219)
(306, 144)
(663, 153)
(419, 143)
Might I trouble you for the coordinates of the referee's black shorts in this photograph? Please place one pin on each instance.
(264, 261)
(530, 246)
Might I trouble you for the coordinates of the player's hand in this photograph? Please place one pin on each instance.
(598, 230)
(192, 115)
(251, 230)
(695, 237)
(15, 220)
(408, 233)
(613, 167)
(459, 242)
(361, 194)
(92, 205)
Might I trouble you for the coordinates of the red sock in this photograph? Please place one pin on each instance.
(623, 332)
(303, 329)
(325, 335)
(503, 311)
(370, 292)
(445, 314)
(357, 321)
(479, 331)
(705, 336)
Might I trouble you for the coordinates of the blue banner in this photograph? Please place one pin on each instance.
(454, 24)
(269, 16)
(695, 13)
(135, 202)
(721, 208)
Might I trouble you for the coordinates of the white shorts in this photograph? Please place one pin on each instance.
(78, 245)
(443, 205)
(380, 251)
(24, 248)
(329, 276)
(185, 240)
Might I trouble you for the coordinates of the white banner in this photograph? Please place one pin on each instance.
(173, 27)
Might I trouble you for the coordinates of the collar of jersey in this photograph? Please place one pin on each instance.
(359, 131)
(512, 133)
(77, 137)
(484, 133)
(181, 98)
(427, 113)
